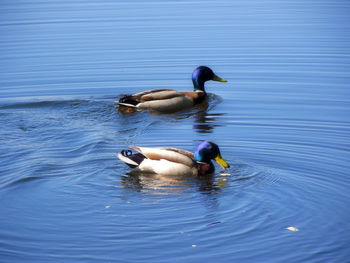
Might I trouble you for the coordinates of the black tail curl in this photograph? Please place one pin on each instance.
(126, 153)
(136, 157)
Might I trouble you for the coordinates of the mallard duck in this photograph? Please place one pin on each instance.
(169, 100)
(173, 161)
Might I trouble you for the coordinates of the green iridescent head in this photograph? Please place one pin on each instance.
(203, 74)
(207, 151)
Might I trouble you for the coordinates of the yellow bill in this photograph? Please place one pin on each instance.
(220, 161)
(216, 78)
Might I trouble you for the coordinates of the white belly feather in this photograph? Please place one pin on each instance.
(165, 167)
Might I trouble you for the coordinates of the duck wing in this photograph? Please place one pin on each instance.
(149, 95)
(181, 151)
(158, 94)
(169, 154)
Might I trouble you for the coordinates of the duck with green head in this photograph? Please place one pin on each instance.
(173, 161)
(169, 100)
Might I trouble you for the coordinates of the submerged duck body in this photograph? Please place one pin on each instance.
(169, 100)
(173, 161)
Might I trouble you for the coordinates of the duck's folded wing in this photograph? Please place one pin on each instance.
(161, 94)
(134, 100)
(154, 94)
(166, 154)
(181, 151)
(140, 94)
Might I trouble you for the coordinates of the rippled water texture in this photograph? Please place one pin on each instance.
(281, 121)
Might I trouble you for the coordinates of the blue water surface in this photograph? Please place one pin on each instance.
(282, 121)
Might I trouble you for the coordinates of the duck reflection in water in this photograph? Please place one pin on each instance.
(204, 122)
(168, 185)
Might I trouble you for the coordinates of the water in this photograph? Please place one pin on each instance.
(281, 121)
